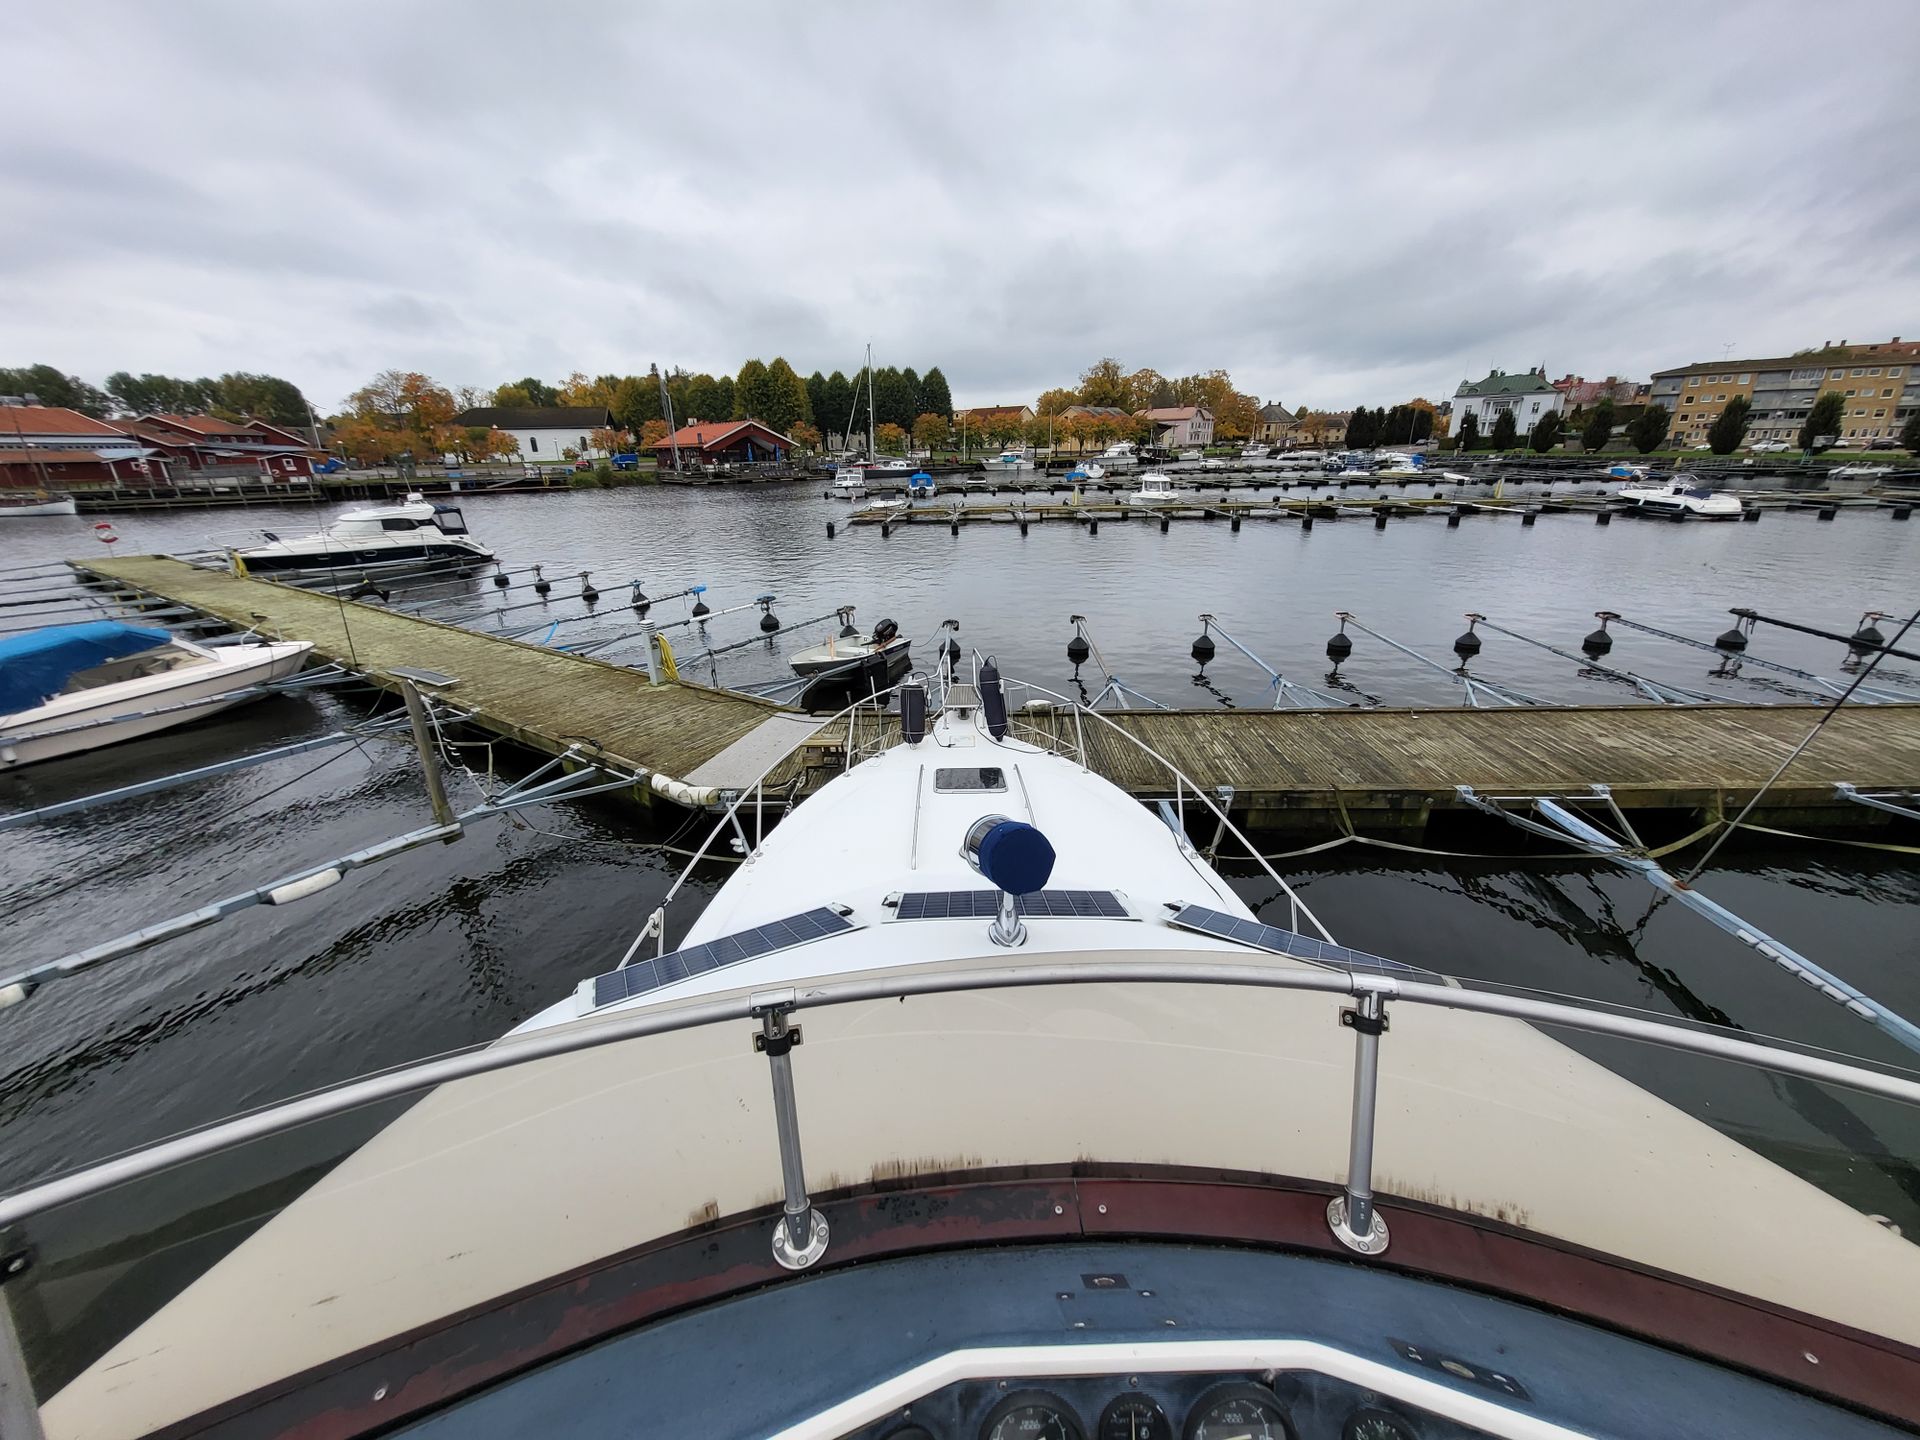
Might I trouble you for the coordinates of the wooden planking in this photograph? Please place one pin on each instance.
(541, 697)
(1326, 760)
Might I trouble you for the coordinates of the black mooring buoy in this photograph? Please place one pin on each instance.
(1453, 521)
(829, 529)
(587, 592)
(1379, 519)
(1901, 512)
(885, 529)
(1468, 643)
(541, 585)
(1599, 642)
(1306, 523)
(1603, 517)
(1867, 637)
(700, 608)
(1078, 650)
(1203, 647)
(1734, 639)
(1751, 515)
(769, 622)
(1093, 527)
(1340, 645)
(1235, 527)
(501, 580)
(1527, 517)
(1165, 521)
(639, 599)
(1023, 524)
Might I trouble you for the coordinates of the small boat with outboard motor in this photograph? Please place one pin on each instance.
(1155, 489)
(849, 648)
(978, 1104)
(1680, 498)
(388, 539)
(65, 689)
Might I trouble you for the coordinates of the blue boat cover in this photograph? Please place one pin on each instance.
(36, 666)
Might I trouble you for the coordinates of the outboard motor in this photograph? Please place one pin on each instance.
(1018, 859)
(993, 699)
(913, 710)
(884, 632)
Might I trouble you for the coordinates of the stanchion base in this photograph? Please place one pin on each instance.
(1371, 1243)
(816, 1246)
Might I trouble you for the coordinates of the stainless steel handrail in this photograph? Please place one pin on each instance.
(617, 1027)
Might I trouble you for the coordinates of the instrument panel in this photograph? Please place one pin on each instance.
(1255, 1406)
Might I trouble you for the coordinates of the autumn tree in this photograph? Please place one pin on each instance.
(1598, 430)
(932, 432)
(1470, 431)
(1729, 428)
(652, 432)
(1105, 383)
(1505, 430)
(1648, 431)
(608, 440)
(935, 397)
(1147, 388)
(891, 437)
(399, 412)
(512, 397)
(578, 389)
(1546, 434)
(1052, 402)
(636, 400)
(805, 434)
(787, 402)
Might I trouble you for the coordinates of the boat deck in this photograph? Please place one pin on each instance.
(1311, 770)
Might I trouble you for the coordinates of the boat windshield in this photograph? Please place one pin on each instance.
(449, 519)
(382, 1230)
(135, 667)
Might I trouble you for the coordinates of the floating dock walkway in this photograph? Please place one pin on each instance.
(1317, 771)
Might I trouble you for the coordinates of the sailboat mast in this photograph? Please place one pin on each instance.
(873, 452)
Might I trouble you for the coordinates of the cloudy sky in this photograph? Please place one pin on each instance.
(1338, 203)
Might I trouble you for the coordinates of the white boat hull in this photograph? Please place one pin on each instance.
(90, 719)
(57, 505)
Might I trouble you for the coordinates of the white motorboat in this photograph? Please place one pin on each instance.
(1010, 459)
(1155, 489)
(1859, 471)
(1188, 455)
(977, 1105)
(1121, 452)
(1400, 463)
(1624, 470)
(1087, 470)
(21, 504)
(849, 481)
(414, 535)
(65, 689)
(882, 507)
(1682, 497)
(850, 649)
(889, 468)
(1254, 452)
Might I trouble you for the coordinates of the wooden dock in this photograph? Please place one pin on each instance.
(1314, 771)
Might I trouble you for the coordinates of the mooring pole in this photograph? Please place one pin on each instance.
(429, 759)
(800, 1237)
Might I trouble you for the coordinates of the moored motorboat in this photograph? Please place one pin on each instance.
(20, 504)
(1010, 459)
(1121, 452)
(1155, 489)
(1254, 452)
(1683, 498)
(849, 649)
(977, 1104)
(1087, 470)
(414, 535)
(65, 689)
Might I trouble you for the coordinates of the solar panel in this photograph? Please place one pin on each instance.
(1278, 941)
(985, 904)
(678, 965)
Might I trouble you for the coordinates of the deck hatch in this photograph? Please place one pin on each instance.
(982, 905)
(678, 965)
(1277, 940)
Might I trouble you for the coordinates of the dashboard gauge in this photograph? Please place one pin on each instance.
(1032, 1415)
(1376, 1425)
(1238, 1412)
(1134, 1417)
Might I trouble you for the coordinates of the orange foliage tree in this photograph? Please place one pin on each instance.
(804, 435)
(890, 437)
(931, 432)
(653, 432)
(609, 441)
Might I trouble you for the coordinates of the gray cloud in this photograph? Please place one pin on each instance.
(1337, 203)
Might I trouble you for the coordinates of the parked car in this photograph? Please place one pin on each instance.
(1769, 447)
(1883, 444)
(1704, 445)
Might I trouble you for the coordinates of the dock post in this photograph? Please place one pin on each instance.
(1355, 1223)
(800, 1235)
(648, 634)
(429, 760)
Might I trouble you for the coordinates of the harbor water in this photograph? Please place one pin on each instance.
(451, 945)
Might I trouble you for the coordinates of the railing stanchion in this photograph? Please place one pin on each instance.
(1356, 1224)
(19, 1410)
(800, 1236)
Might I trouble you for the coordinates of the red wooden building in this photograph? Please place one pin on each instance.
(724, 442)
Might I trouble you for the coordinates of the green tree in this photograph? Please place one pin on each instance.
(1363, 429)
(50, 387)
(752, 393)
(817, 402)
(1729, 427)
(700, 398)
(1546, 434)
(1105, 383)
(636, 400)
(722, 396)
(1828, 411)
(834, 415)
(537, 392)
(263, 397)
(1648, 431)
(1505, 430)
(1598, 430)
(787, 403)
(935, 398)
(1910, 434)
(893, 398)
(1470, 431)
(910, 379)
